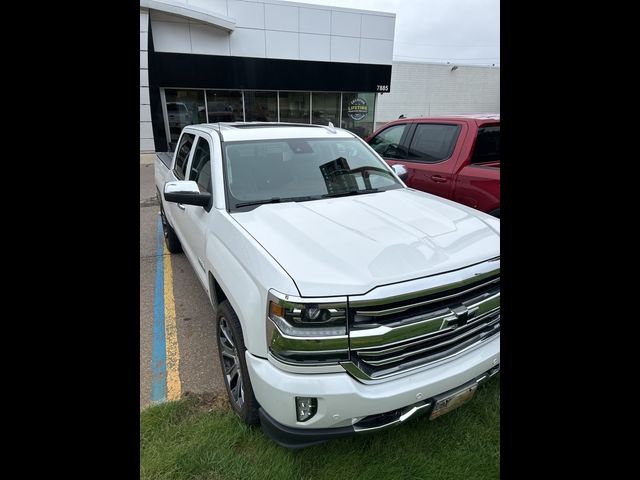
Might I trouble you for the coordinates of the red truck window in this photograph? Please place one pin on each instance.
(387, 142)
(433, 142)
(487, 145)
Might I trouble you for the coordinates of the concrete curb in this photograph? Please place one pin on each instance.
(147, 158)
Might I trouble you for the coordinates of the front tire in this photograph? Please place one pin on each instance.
(231, 350)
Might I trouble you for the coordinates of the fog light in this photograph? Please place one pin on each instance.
(306, 408)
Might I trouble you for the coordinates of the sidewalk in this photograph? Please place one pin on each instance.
(147, 158)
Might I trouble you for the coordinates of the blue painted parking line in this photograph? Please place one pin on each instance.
(159, 350)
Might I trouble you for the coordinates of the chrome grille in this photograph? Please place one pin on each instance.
(456, 312)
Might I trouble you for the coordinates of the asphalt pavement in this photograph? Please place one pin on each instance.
(198, 368)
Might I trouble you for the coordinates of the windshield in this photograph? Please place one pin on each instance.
(286, 170)
(176, 107)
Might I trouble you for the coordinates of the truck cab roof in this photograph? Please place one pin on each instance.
(239, 131)
(478, 118)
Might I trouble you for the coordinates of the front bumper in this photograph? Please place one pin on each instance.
(296, 438)
(344, 401)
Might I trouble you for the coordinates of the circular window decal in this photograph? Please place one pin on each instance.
(357, 109)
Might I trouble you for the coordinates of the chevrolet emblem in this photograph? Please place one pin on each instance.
(461, 315)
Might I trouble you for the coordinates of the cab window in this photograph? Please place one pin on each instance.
(433, 142)
(487, 147)
(387, 142)
(200, 171)
(182, 155)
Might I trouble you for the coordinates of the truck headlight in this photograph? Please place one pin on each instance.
(307, 330)
(308, 320)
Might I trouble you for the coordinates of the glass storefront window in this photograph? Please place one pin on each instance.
(261, 106)
(184, 107)
(224, 106)
(357, 112)
(294, 107)
(187, 107)
(326, 108)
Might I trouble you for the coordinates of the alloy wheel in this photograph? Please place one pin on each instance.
(231, 363)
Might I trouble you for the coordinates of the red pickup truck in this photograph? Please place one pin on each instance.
(455, 157)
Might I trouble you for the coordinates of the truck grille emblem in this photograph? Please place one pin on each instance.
(461, 315)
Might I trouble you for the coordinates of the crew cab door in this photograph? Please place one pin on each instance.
(478, 181)
(193, 221)
(432, 153)
(174, 211)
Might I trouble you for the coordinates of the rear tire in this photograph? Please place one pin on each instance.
(170, 237)
(231, 350)
(171, 240)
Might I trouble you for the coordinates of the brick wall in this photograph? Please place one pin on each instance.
(424, 89)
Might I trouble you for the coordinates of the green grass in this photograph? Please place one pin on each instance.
(191, 439)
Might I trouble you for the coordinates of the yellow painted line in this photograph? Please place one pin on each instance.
(174, 388)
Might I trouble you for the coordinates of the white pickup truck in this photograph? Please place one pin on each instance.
(344, 301)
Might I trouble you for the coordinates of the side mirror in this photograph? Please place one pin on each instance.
(186, 192)
(401, 171)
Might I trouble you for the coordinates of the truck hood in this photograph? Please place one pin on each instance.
(349, 245)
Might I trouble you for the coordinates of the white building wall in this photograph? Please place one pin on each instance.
(424, 89)
(146, 132)
(279, 29)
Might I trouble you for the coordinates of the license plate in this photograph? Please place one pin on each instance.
(453, 401)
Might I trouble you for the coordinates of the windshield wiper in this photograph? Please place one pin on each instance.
(350, 192)
(274, 200)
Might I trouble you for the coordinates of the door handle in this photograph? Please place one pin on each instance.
(181, 206)
(438, 178)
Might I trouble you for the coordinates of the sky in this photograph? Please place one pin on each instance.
(462, 32)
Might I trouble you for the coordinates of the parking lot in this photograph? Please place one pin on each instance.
(178, 352)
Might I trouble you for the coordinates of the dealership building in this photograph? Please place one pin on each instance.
(270, 60)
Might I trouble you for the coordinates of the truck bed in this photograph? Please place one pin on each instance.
(165, 158)
(161, 169)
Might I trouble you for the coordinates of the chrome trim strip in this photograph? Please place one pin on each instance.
(406, 416)
(281, 343)
(420, 287)
(390, 311)
(487, 375)
(368, 351)
(411, 410)
(402, 356)
(295, 299)
(385, 336)
(362, 377)
(332, 367)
